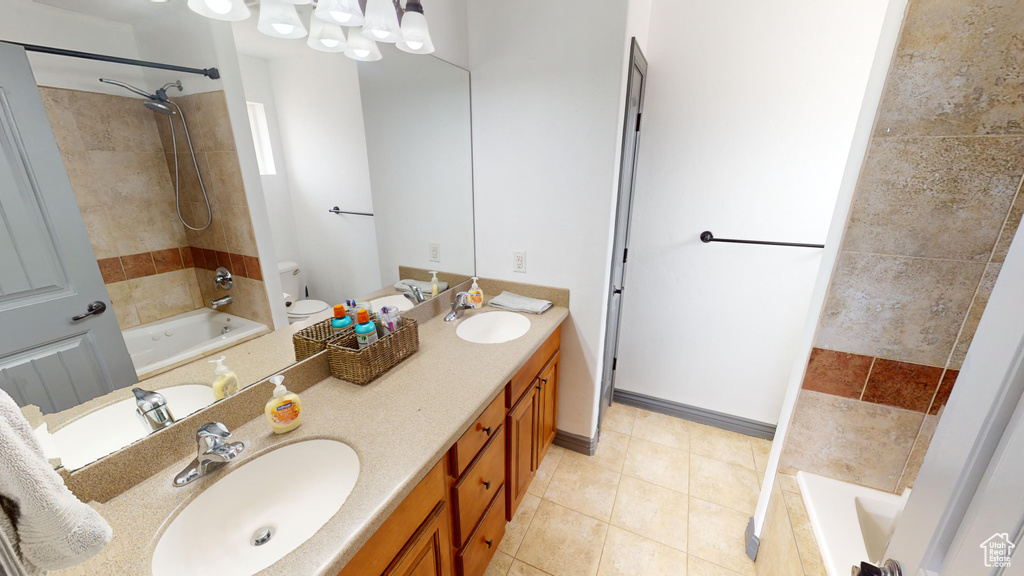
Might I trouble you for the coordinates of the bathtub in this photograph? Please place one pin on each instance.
(851, 523)
(164, 344)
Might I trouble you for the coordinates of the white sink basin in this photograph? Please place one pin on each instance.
(396, 300)
(113, 427)
(293, 490)
(493, 327)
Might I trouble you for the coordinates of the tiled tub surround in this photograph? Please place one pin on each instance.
(116, 153)
(400, 425)
(937, 204)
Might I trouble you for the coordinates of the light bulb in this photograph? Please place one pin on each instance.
(380, 34)
(340, 17)
(219, 6)
(330, 42)
(360, 52)
(283, 29)
(414, 45)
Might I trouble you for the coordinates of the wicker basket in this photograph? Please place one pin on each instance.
(361, 367)
(313, 340)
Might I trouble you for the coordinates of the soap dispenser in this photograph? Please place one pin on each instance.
(225, 382)
(476, 295)
(433, 284)
(284, 409)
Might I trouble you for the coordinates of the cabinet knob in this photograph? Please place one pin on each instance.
(488, 430)
(487, 485)
(489, 543)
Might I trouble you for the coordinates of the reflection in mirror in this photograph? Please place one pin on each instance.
(157, 203)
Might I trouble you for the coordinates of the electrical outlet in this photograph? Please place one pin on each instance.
(519, 261)
(435, 252)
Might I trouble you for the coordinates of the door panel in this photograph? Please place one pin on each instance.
(548, 395)
(48, 271)
(522, 450)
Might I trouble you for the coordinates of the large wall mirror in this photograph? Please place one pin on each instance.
(365, 169)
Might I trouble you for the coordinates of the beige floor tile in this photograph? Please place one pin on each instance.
(626, 554)
(515, 530)
(619, 418)
(716, 535)
(661, 429)
(546, 471)
(520, 568)
(788, 483)
(585, 487)
(499, 565)
(658, 464)
(810, 554)
(722, 483)
(700, 567)
(762, 448)
(651, 511)
(610, 453)
(721, 445)
(562, 542)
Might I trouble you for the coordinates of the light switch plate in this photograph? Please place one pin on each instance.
(435, 252)
(519, 261)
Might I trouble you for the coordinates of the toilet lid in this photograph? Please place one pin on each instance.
(307, 307)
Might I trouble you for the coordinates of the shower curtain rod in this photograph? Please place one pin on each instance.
(211, 73)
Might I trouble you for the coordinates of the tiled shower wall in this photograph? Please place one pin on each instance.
(937, 203)
(118, 166)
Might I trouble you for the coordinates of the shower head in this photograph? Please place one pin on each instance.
(159, 107)
(138, 91)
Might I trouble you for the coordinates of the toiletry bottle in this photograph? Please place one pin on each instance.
(433, 284)
(366, 331)
(225, 383)
(284, 409)
(476, 295)
(341, 320)
(352, 309)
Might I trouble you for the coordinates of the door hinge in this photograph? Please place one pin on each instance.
(625, 255)
(615, 362)
(638, 115)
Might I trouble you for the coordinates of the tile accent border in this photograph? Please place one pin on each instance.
(915, 387)
(132, 266)
(695, 414)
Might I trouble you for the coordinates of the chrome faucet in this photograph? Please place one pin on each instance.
(214, 452)
(221, 302)
(152, 410)
(461, 303)
(414, 294)
(222, 279)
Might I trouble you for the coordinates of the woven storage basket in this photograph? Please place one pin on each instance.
(350, 363)
(313, 340)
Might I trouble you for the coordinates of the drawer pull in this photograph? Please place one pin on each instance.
(488, 430)
(487, 485)
(489, 543)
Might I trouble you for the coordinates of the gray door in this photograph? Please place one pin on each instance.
(48, 272)
(620, 249)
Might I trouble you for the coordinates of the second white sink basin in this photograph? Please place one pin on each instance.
(292, 491)
(396, 300)
(493, 327)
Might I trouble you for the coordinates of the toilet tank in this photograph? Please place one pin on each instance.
(292, 281)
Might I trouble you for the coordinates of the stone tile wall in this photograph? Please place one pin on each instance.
(937, 203)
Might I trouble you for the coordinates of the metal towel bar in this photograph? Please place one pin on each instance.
(706, 237)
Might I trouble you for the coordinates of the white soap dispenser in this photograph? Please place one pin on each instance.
(476, 295)
(433, 284)
(225, 383)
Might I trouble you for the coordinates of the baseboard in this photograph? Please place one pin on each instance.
(576, 443)
(751, 542)
(700, 415)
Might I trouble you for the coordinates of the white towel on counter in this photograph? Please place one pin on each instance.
(403, 285)
(53, 529)
(516, 303)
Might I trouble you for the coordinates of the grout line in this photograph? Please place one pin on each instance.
(938, 387)
(867, 379)
(792, 529)
(957, 260)
(906, 464)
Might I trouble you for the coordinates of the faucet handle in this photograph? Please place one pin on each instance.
(211, 435)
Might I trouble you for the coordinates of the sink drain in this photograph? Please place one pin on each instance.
(263, 535)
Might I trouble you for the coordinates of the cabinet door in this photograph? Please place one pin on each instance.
(547, 392)
(522, 450)
(429, 553)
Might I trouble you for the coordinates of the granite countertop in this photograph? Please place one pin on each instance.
(400, 426)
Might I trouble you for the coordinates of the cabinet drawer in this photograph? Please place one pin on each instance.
(485, 427)
(528, 373)
(477, 488)
(476, 555)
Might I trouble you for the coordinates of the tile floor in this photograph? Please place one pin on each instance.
(661, 497)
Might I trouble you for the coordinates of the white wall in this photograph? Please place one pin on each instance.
(449, 30)
(321, 125)
(545, 117)
(259, 88)
(417, 122)
(748, 122)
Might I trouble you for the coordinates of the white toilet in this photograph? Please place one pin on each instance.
(294, 287)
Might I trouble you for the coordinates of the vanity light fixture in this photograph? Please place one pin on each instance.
(229, 10)
(299, 2)
(415, 33)
(325, 36)
(382, 21)
(343, 12)
(278, 18)
(362, 48)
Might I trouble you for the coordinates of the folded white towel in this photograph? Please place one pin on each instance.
(516, 303)
(53, 529)
(403, 285)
